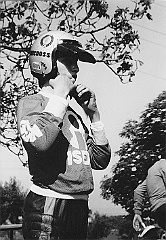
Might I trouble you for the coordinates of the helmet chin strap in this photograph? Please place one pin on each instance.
(54, 73)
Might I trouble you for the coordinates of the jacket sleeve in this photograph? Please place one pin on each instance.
(38, 121)
(99, 150)
(139, 194)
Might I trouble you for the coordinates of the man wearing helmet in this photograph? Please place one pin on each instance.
(61, 151)
(154, 186)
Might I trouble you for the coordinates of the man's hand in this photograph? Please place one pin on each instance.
(87, 100)
(138, 223)
(61, 85)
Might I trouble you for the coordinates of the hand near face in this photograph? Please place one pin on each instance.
(61, 85)
(65, 79)
(87, 100)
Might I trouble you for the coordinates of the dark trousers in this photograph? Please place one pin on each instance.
(54, 218)
(160, 216)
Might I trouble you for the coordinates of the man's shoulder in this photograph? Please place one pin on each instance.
(163, 164)
(34, 97)
(157, 166)
(31, 102)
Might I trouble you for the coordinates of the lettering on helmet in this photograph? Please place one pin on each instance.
(40, 54)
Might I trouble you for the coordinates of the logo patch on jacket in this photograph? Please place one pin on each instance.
(74, 132)
(29, 133)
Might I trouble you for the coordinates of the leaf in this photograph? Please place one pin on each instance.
(149, 16)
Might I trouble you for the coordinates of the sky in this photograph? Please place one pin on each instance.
(117, 102)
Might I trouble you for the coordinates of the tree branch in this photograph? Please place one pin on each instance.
(15, 49)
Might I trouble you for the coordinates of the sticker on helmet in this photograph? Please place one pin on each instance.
(46, 40)
(43, 65)
(36, 66)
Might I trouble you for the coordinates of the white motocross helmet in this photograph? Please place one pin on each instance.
(43, 51)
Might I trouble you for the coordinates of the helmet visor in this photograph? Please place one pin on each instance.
(75, 47)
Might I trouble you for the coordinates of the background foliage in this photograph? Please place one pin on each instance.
(12, 198)
(110, 227)
(145, 144)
